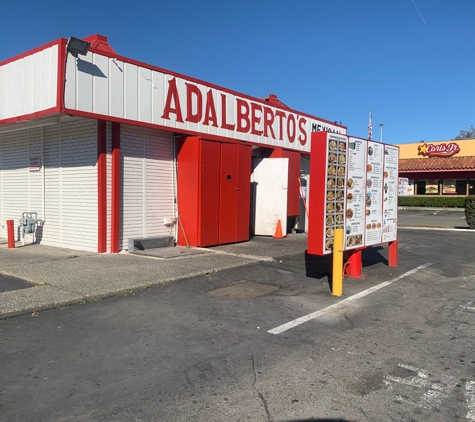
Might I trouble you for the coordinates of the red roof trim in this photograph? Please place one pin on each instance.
(43, 113)
(437, 164)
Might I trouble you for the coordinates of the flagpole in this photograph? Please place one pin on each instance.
(370, 126)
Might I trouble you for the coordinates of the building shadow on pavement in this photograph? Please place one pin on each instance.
(317, 266)
(373, 256)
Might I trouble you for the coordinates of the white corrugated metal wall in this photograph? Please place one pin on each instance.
(148, 190)
(20, 189)
(29, 85)
(68, 195)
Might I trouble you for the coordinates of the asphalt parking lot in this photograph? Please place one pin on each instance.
(206, 348)
(445, 218)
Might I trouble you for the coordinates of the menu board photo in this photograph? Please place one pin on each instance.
(335, 187)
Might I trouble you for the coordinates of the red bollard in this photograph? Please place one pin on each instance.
(354, 263)
(393, 254)
(11, 234)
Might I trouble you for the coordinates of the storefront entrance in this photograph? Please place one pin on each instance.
(213, 192)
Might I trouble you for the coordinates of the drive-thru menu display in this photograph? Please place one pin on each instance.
(353, 186)
(356, 195)
(390, 192)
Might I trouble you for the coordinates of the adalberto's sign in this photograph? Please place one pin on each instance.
(185, 105)
(439, 150)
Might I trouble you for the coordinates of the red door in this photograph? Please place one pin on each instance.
(188, 188)
(209, 194)
(228, 193)
(244, 193)
(293, 193)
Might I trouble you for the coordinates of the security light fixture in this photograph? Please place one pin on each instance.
(78, 46)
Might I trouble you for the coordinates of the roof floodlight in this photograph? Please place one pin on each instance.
(78, 46)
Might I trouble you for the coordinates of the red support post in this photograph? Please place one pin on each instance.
(392, 254)
(115, 189)
(11, 234)
(354, 263)
(101, 187)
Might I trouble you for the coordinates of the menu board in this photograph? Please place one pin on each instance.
(403, 186)
(356, 193)
(374, 193)
(355, 189)
(390, 193)
(336, 162)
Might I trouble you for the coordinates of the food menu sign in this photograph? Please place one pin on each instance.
(356, 194)
(335, 191)
(374, 193)
(355, 186)
(390, 192)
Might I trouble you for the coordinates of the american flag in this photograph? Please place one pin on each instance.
(370, 126)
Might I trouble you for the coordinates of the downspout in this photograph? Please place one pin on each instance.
(174, 185)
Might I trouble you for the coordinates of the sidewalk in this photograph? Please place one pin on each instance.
(62, 277)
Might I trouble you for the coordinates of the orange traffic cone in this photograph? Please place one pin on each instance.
(278, 231)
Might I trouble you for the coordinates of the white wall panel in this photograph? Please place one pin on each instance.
(131, 92)
(147, 180)
(28, 72)
(52, 153)
(3, 82)
(18, 87)
(14, 176)
(49, 67)
(116, 95)
(29, 85)
(84, 77)
(145, 95)
(79, 185)
(101, 85)
(35, 178)
(20, 190)
(71, 86)
(70, 181)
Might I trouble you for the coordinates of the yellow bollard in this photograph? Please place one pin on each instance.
(337, 267)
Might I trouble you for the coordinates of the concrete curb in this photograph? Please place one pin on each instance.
(431, 209)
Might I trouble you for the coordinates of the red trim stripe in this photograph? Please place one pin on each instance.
(61, 75)
(115, 205)
(101, 187)
(50, 112)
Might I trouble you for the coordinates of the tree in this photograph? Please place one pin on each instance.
(466, 134)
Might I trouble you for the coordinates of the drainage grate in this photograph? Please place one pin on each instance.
(244, 290)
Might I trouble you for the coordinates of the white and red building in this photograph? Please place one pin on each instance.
(105, 148)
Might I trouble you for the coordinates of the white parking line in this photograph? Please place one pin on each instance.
(434, 228)
(470, 396)
(313, 315)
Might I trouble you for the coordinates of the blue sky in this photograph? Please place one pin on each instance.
(412, 61)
